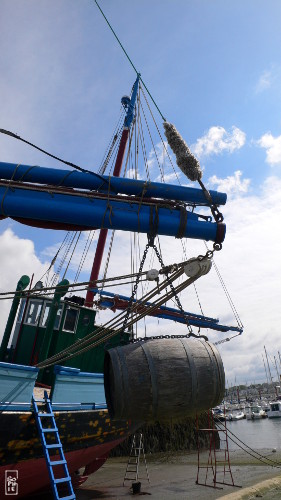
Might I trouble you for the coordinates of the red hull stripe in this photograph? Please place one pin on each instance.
(33, 474)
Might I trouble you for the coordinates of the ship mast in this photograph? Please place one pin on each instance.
(129, 104)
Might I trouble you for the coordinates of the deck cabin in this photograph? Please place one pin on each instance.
(73, 321)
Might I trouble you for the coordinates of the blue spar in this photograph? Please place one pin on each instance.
(90, 212)
(103, 183)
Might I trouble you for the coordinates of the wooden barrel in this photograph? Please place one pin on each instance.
(163, 379)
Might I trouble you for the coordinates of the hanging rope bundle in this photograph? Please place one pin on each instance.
(186, 161)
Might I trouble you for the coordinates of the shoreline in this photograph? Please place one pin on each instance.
(173, 476)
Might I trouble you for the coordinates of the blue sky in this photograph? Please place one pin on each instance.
(214, 69)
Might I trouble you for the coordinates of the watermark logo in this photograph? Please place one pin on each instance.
(11, 482)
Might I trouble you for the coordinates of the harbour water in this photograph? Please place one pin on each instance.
(258, 434)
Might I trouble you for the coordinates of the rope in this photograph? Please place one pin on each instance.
(160, 135)
(260, 457)
(111, 146)
(161, 170)
(86, 249)
(142, 142)
(129, 59)
(114, 278)
(70, 259)
(118, 320)
(229, 299)
(64, 257)
(101, 332)
(73, 165)
(55, 257)
(108, 258)
(197, 172)
(182, 225)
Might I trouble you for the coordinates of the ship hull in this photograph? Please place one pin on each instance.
(87, 438)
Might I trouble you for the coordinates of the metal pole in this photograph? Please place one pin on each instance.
(271, 378)
(265, 369)
(22, 284)
(278, 376)
(61, 290)
(116, 173)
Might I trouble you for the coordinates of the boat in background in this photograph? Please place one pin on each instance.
(255, 412)
(275, 409)
(237, 415)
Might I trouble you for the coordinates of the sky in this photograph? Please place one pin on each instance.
(214, 70)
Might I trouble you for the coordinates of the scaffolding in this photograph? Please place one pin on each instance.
(216, 471)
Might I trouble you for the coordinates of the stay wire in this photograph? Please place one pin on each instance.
(88, 243)
(111, 145)
(162, 171)
(229, 299)
(105, 334)
(117, 322)
(130, 60)
(55, 257)
(233, 308)
(70, 164)
(77, 234)
(153, 145)
(112, 323)
(221, 428)
(162, 140)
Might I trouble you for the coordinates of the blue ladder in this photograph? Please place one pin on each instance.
(51, 464)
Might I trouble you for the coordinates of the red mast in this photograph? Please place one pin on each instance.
(129, 103)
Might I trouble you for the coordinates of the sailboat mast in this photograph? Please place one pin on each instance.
(278, 376)
(129, 103)
(271, 378)
(265, 369)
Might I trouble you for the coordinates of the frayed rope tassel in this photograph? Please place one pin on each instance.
(186, 161)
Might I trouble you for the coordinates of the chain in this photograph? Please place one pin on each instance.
(157, 337)
(165, 270)
(210, 253)
(216, 213)
(190, 334)
(135, 287)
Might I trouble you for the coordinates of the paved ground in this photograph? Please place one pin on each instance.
(173, 477)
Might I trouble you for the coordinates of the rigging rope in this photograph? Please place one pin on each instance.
(112, 323)
(160, 135)
(108, 330)
(73, 165)
(78, 234)
(130, 61)
(86, 249)
(191, 167)
(273, 463)
(229, 299)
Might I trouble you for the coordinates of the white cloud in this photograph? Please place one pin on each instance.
(218, 140)
(264, 82)
(232, 185)
(17, 257)
(133, 174)
(272, 145)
